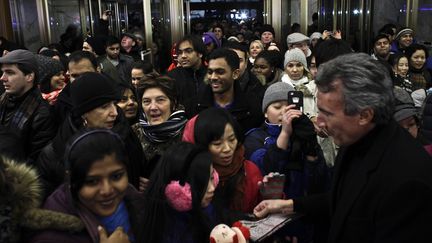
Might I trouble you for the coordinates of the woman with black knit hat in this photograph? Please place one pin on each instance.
(51, 78)
(94, 98)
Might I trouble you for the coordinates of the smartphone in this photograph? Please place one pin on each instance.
(295, 97)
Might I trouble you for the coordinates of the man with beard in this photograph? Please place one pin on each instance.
(224, 91)
(114, 64)
(189, 77)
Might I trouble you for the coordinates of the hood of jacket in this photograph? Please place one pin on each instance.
(24, 183)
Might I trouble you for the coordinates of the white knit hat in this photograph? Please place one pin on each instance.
(315, 35)
(296, 55)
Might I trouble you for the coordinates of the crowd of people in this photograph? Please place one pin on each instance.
(107, 147)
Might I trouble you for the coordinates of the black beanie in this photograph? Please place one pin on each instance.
(98, 44)
(90, 91)
(266, 28)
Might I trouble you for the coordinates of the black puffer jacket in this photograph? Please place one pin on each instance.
(51, 160)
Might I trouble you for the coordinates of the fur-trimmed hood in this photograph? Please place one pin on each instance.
(25, 187)
(23, 198)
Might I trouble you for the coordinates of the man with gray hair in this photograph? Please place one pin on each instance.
(382, 186)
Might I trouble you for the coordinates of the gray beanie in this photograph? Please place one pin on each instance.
(276, 92)
(295, 55)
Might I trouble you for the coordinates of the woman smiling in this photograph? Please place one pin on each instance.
(97, 191)
(162, 119)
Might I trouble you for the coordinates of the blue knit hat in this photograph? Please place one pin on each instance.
(210, 37)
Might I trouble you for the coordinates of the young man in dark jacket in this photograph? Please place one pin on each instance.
(223, 90)
(22, 108)
(189, 77)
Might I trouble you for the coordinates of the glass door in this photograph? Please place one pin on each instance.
(326, 15)
(123, 17)
(423, 28)
(25, 24)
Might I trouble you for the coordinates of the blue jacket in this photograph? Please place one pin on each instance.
(302, 176)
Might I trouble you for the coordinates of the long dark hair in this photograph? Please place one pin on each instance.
(86, 147)
(186, 163)
(210, 126)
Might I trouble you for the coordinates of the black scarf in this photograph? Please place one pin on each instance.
(165, 131)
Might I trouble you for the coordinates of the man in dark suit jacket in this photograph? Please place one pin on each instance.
(382, 186)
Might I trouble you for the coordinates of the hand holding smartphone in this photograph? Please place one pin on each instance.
(295, 97)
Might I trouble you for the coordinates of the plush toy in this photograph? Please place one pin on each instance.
(222, 233)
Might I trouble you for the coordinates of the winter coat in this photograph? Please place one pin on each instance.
(19, 205)
(63, 106)
(245, 108)
(249, 83)
(249, 187)
(119, 73)
(30, 117)
(309, 90)
(187, 84)
(381, 191)
(302, 176)
(50, 163)
(62, 201)
(152, 151)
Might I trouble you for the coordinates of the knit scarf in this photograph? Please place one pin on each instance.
(299, 85)
(26, 107)
(418, 78)
(119, 218)
(229, 171)
(165, 131)
(52, 96)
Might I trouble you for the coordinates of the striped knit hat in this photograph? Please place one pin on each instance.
(402, 32)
